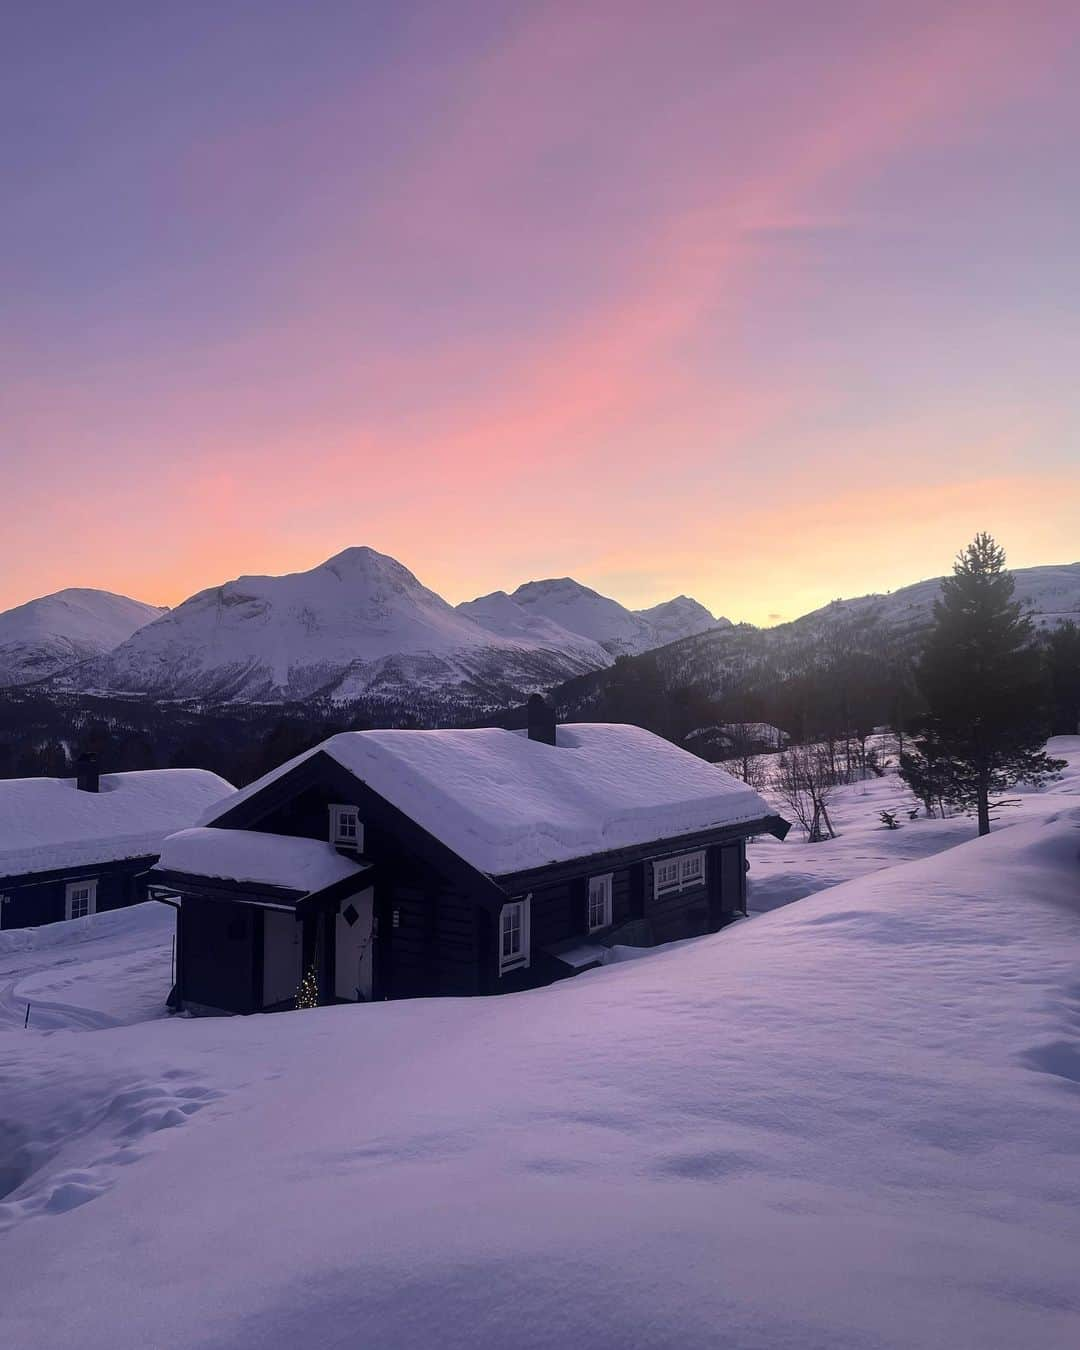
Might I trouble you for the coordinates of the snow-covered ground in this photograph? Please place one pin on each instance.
(851, 1122)
(780, 873)
(105, 970)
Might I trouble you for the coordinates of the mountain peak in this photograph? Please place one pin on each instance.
(359, 558)
(553, 586)
(681, 617)
(45, 635)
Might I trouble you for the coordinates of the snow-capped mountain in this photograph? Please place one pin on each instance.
(618, 630)
(46, 635)
(584, 611)
(679, 618)
(501, 614)
(358, 625)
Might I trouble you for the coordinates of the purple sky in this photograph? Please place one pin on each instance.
(767, 303)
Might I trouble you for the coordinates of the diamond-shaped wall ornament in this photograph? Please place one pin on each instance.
(350, 915)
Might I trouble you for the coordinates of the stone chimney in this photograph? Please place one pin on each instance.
(541, 721)
(87, 774)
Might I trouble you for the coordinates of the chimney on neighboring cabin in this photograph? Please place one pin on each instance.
(87, 774)
(541, 721)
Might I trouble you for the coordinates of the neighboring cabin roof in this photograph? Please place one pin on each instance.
(47, 824)
(507, 804)
(258, 859)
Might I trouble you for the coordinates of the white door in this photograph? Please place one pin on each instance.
(281, 957)
(354, 947)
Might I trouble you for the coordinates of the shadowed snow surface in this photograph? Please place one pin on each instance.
(848, 1123)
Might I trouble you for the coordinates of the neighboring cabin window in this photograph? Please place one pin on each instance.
(80, 899)
(672, 875)
(514, 935)
(345, 827)
(599, 902)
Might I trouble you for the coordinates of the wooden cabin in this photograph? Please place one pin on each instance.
(397, 864)
(72, 847)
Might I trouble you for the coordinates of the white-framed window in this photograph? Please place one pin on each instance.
(599, 902)
(683, 873)
(345, 828)
(514, 923)
(80, 899)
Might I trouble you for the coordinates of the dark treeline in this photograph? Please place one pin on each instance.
(830, 694)
(44, 733)
(816, 687)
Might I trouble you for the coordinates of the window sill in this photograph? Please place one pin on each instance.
(679, 890)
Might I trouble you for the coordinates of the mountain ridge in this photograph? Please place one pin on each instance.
(359, 625)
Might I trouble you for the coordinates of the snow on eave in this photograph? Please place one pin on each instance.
(256, 858)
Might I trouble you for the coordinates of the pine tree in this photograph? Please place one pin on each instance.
(981, 676)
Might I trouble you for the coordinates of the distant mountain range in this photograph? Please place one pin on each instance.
(359, 626)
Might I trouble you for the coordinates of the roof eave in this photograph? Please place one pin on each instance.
(611, 858)
(262, 895)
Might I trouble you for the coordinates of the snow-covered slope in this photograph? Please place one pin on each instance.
(849, 1123)
(46, 635)
(1050, 595)
(679, 618)
(780, 875)
(574, 606)
(359, 624)
(564, 612)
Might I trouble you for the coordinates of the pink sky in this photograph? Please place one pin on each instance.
(765, 304)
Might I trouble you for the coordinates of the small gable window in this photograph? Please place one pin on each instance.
(80, 899)
(672, 875)
(599, 902)
(514, 935)
(346, 830)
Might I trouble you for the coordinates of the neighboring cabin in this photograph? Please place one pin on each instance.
(732, 740)
(70, 847)
(397, 864)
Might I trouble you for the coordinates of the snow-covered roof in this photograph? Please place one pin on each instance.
(304, 865)
(47, 823)
(507, 804)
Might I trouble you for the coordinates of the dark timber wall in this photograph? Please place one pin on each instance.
(31, 901)
(221, 944)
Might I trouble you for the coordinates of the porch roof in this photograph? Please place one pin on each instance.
(255, 859)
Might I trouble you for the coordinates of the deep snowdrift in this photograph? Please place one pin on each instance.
(849, 1123)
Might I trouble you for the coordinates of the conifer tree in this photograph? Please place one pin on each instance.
(982, 679)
